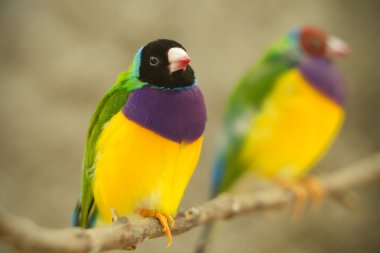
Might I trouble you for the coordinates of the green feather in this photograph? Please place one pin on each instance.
(110, 104)
(246, 101)
(258, 81)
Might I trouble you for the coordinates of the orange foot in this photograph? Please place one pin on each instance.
(164, 220)
(300, 194)
(314, 188)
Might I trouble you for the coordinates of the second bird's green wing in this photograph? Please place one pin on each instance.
(110, 104)
(244, 103)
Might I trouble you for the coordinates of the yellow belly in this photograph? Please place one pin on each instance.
(137, 168)
(292, 131)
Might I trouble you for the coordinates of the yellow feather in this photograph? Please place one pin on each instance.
(294, 128)
(137, 168)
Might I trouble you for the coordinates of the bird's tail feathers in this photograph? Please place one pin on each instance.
(77, 215)
(217, 176)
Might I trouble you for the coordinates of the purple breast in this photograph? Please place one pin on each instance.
(323, 75)
(179, 115)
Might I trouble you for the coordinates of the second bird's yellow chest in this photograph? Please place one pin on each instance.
(294, 127)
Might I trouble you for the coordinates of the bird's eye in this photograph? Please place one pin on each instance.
(153, 61)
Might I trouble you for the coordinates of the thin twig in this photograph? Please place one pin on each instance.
(26, 236)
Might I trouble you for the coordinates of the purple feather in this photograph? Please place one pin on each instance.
(324, 76)
(179, 115)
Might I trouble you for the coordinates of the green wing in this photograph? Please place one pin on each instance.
(110, 104)
(244, 103)
(259, 80)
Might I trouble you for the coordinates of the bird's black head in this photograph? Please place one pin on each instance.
(164, 63)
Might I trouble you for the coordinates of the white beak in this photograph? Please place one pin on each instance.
(336, 47)
(178, 59)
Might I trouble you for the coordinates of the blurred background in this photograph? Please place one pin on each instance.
(57, 59)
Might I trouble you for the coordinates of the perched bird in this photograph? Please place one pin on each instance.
(144, 139)
(283, 115)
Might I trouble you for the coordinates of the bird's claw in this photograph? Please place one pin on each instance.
(315, 190)
(164, 219)
(299, 192)
(302, 190)
(171, 220)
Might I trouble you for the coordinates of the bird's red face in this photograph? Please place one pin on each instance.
(313, 41)
(317, 44)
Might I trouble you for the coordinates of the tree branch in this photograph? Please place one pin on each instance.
(24, 235)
